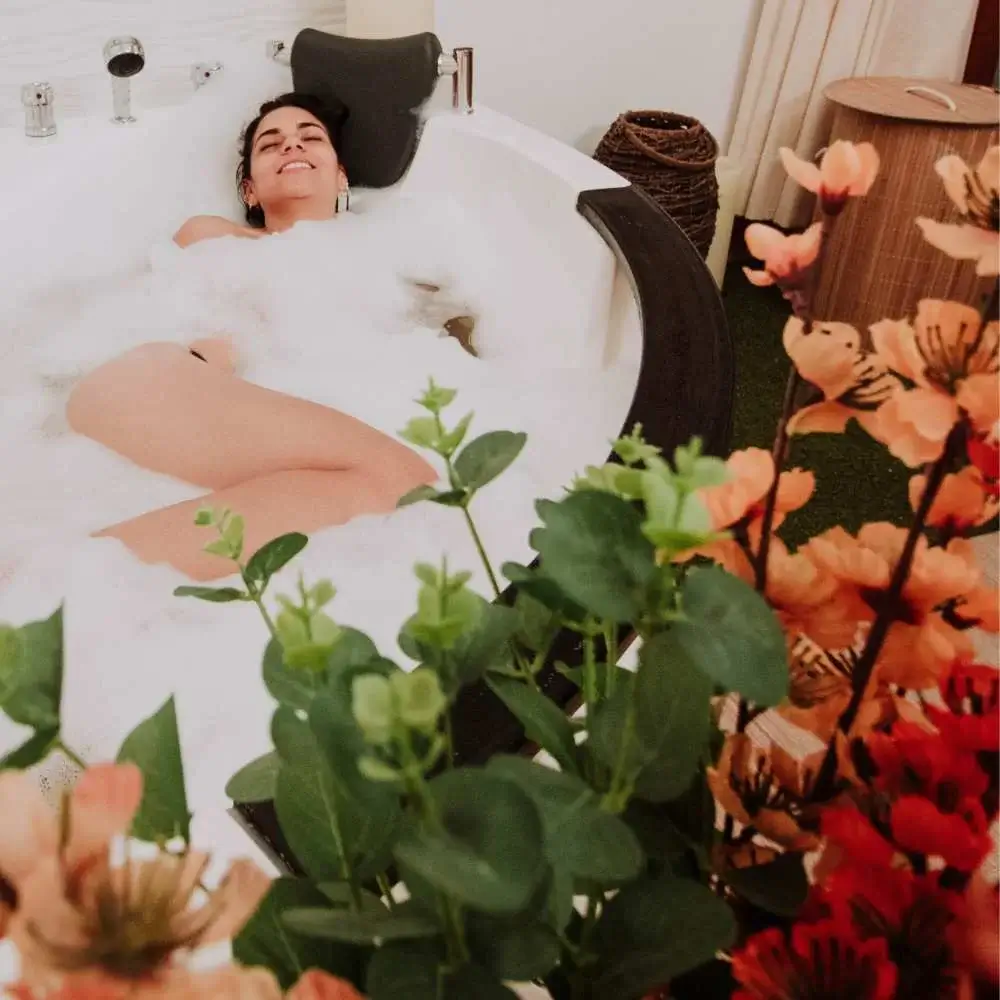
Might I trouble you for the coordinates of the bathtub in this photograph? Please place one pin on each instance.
(91, 200)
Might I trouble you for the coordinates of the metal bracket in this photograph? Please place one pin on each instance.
(201, 73)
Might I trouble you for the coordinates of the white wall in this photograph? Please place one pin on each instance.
(61, 41)
(389, 18)
(569, 67)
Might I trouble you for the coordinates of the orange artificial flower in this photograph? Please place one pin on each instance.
(846, 170)
(952, 360)
(122, 924)
(316, 985)
(854, 382)
(763, 788)
(920, 644)
(976, 195)
(964, 501)
(786, 258)
(742, 496)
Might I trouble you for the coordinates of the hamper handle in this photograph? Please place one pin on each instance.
(671, 161)
(934, 95)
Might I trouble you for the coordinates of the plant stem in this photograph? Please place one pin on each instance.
(386, 890)
(257, 597)
(779, 455)
(70, 753)
(617, 796)
(482, 551)
(589, 673)
(346, 868)
(611, 656)
(450, 910)
(890, 606)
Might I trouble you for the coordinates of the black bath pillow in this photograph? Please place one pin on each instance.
(383, 82)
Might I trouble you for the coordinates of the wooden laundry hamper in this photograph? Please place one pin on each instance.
(878, 263)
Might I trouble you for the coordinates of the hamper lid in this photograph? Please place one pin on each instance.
(915, 99)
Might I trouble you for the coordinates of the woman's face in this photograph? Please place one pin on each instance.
(292, 158)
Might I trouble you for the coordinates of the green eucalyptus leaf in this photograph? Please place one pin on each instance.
(732, 635)
(33, 685)
(417, 495)
(275, 555)
(593, 547)
(422, 432)
(154, 745)
(779, 887)
(324, 808)
(31, 752)
(489, 853)
(544, 722)
(672, 720)
(341, 895)
(454, 438)
(581, 839)
(544, 590)
(486, 457)
(518, 950)
(655, 930)
(221, 547)
(484, 647)
(266, 940)
(362, 928)
(255, 782)
(214, 595)
(451, 498)
(287, 685)
(405, 970)
(537, 625)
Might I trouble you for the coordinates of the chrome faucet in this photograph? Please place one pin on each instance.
(39, 110)
(460, 66)
(124, 57)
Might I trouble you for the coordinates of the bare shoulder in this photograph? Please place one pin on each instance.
(209, 227)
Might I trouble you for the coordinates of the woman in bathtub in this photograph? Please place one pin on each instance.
(284, 463)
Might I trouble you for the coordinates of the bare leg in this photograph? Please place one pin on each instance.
(169, 412)
(298, 500)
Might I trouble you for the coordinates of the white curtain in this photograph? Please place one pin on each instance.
(801, 46)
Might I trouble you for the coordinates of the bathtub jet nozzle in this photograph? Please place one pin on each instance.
(124, 57)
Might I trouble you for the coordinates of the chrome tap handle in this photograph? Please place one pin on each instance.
(460, 66)
(38, 100)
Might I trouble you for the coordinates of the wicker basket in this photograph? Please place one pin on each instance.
(672, 158)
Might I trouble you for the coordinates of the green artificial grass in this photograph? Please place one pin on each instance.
(857, 480)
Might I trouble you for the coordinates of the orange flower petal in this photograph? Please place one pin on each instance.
(868, 161)
(102, 805)
(914, 424)
(964, 242)
(826, 356)
(801, 171)
(316, 985)
(239, 894)
(954, 172)
(978, 395)
(895, 343)
(29, 830)
(840, 167)
(821, 418)
(795, 487)
(759, 278)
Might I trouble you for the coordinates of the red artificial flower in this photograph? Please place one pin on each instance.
(985, 456)
(972, 721)
(915, 916)
(912, 760)
(822, 961)
(861, 842)
(961, 836)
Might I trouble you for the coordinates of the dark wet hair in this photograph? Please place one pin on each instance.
(330, 116)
